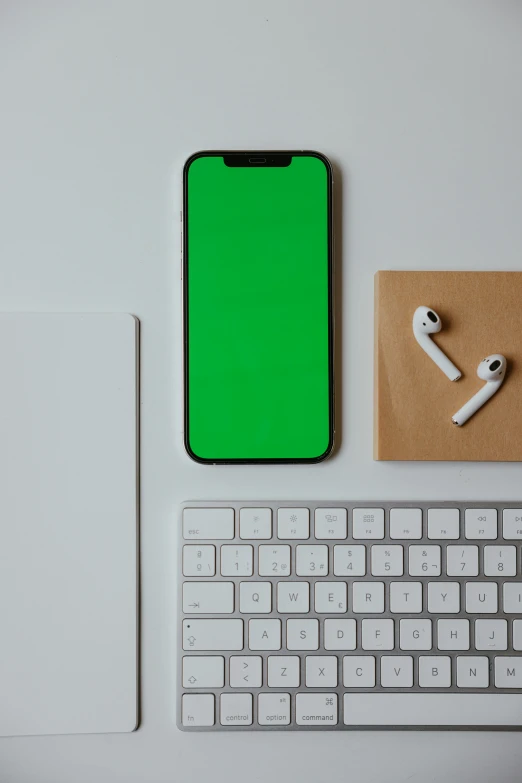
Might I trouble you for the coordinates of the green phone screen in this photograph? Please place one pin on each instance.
(257, 277)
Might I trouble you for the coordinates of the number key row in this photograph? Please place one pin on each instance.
(384, 560)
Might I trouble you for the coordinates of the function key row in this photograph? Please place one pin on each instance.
(294, 523)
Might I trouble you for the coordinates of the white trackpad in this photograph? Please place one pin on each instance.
(68, 523)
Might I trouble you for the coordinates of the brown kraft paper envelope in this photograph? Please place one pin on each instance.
(414, 401)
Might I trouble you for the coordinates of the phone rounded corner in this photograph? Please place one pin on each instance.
(192, 158)
(192, 454)
(323, 158)
(327, 453)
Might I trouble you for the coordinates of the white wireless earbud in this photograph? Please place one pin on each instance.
(425, 323)
(492, 370)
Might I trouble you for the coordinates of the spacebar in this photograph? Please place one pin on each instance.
(432, 709)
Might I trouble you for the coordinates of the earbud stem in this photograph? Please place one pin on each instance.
(438, 356)
(476, 402)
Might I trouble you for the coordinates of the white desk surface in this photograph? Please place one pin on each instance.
(418, 105)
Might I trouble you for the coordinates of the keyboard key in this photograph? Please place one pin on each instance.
(273, 709)
(406, 597)
(284, 671)
(397, 671)
(321, 671)
(255, 523)
(517, 635)
(208, 597)
(472, 671)
(480, 523)
(424, 560)
(199, 560)
(350, 560)
(491, 634)
(453, 634)
(236, 709)
(330, 597)
(368, 523)
(431, 709)
(213, 634)
(197, 709)
(330, 523)
(387, 560)
(512, 523)
(255, 597)
(512, 594)
(316, 709)
(264, 634)
(274, 560)
(302, 634)
(481, 597)
(311, 560)
(406, 523)
(293, 523)
(434, 671)
(500, 561)
(508, 672)
(208, 523)
(359, 671)
(340, 634)
(203, 671)
(293, 597)
(246, 671)
(443, 597)
(415, 634)
(378, 634)
(443, 523)
(462, 561)
(237, 560)
(368, 597)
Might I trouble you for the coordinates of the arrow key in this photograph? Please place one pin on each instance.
(203, 671)
(246, 671)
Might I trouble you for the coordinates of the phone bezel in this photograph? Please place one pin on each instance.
(185, 260)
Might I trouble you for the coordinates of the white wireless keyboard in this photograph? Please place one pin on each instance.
(306, 615)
